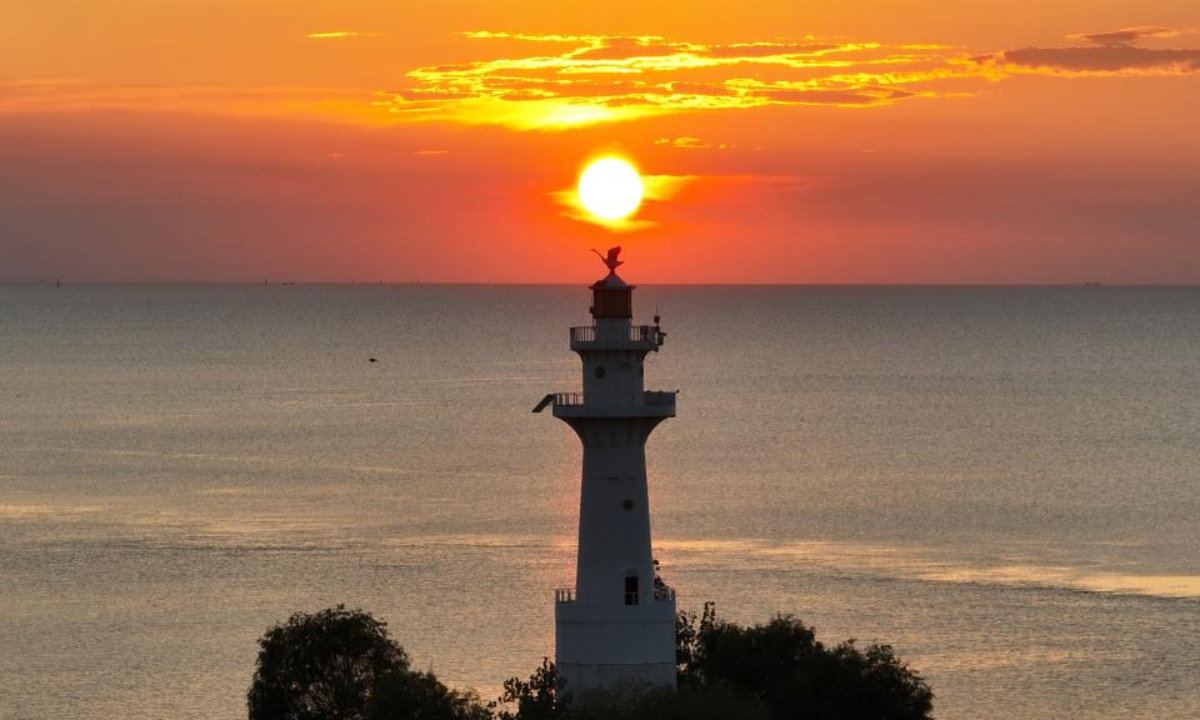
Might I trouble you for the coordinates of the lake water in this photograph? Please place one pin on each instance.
(1003, 483)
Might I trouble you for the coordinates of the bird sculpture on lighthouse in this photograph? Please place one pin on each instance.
(617, 625)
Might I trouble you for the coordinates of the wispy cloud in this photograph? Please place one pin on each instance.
(595, 78)
(690, 143)
(341, 35)
(1126, 36)
(552, 81)
(1107, 60)
(1104, 54)
(74, 96)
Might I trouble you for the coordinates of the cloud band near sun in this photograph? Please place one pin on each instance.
(546, 82)
(568, 80)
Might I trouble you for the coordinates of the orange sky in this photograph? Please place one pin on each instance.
(867, 142)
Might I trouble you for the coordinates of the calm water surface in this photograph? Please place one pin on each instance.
(1002, 483)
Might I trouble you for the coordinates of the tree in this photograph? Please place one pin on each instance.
(535, 698)
(340, 664)
(688, 648)
(782, 665)
(421, 696)
(845, 682)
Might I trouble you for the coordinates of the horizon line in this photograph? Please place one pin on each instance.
(452, 283)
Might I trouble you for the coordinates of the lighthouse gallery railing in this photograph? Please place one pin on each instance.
(637, 333)
(663, 593)
(657, 398)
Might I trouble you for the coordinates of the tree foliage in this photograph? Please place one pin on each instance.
(421, 696)
(532, 699)
(323, 665)
(340, 664)
(782, 665)
(536, 699)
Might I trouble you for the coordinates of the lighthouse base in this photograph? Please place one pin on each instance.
(577, 681)
(608, 647)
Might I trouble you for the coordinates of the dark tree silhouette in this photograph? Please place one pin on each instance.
(421, 696)
(689, 629)
(340, 664)
(782, 665)
(533, 699)
(846, 682)
(323, 665)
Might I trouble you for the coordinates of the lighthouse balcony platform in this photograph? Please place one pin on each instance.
(650, 404)
(662, 594)
(634, 337)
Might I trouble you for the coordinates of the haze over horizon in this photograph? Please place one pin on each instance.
(881, 142)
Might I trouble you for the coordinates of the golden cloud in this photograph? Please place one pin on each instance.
(604, 78)
(687, 142)
(551, 82)
(341, 35)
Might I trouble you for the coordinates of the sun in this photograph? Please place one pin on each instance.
(610, 188)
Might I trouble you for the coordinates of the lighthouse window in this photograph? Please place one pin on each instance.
(628, 504)
(600, 371)
(631, 590)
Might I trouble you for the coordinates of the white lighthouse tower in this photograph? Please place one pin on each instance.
(617, 625)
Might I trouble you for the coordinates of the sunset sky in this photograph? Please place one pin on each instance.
(882, 141)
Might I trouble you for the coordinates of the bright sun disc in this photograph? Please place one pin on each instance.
(610, 189)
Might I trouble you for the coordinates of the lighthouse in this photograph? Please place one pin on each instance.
(616, 626)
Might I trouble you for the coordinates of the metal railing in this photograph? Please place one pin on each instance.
(660, 594)
(568, 398)
(584, 333)
(637, 333)
(652, 398)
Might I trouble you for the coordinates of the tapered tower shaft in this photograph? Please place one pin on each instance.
(617, 625)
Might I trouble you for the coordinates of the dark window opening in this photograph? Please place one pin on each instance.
(599, 371)
(631, 590)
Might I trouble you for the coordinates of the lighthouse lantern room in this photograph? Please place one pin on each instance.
(617, 625)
